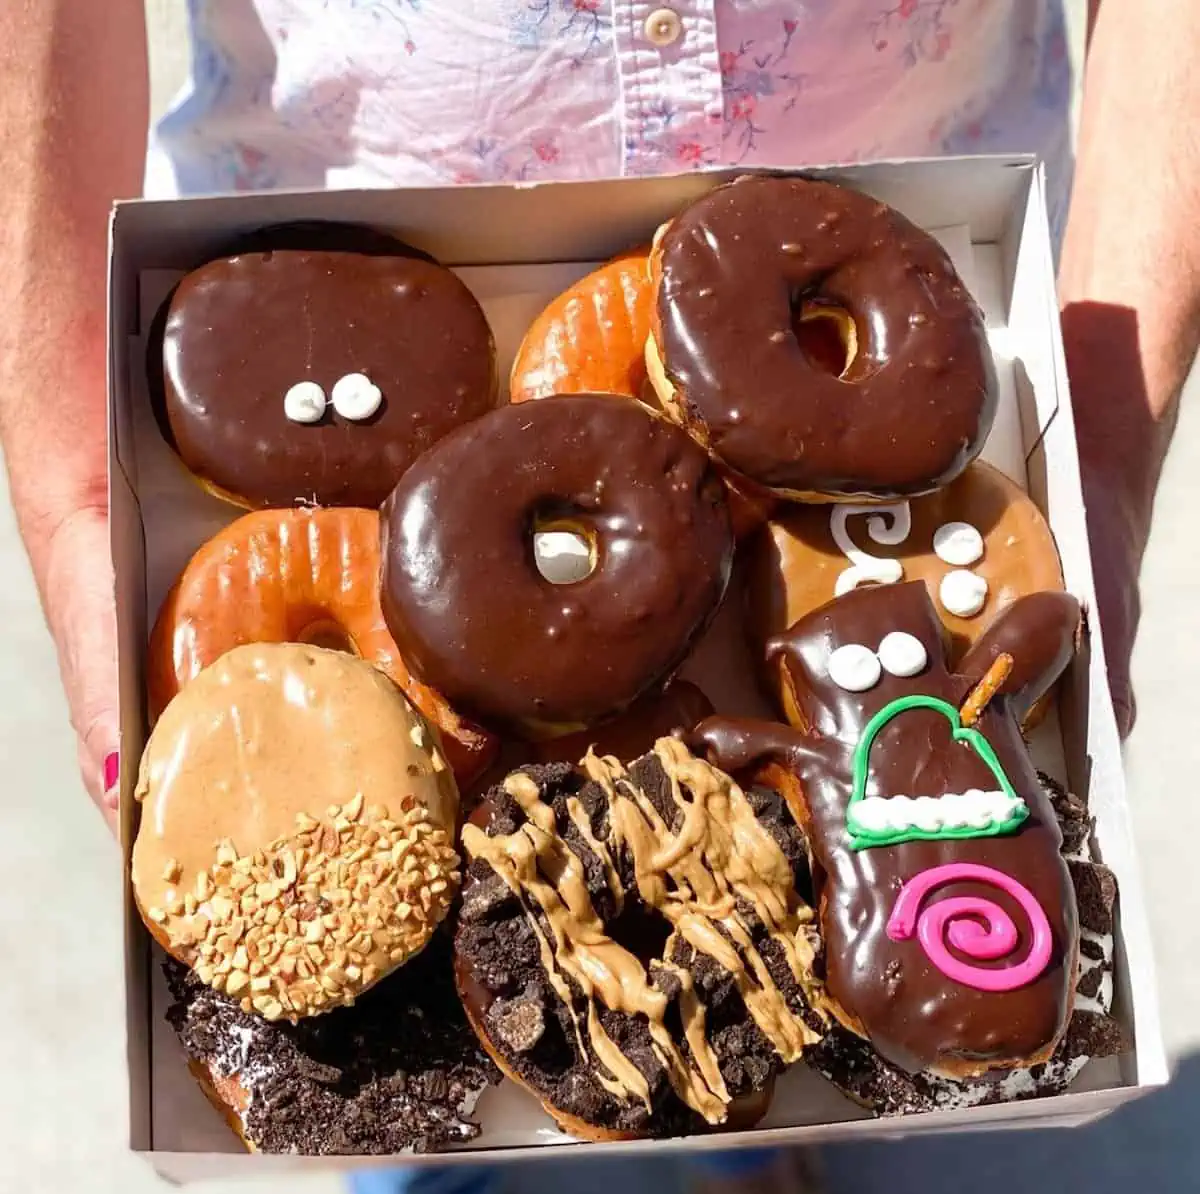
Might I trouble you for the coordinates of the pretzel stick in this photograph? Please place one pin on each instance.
(987, 688)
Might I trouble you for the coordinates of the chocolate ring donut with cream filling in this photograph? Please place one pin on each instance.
(462, 593)
(742, 270)
(632, 944)
(319, 374)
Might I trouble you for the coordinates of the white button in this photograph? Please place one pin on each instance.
(663, 27)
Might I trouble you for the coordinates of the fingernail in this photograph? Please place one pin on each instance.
(112, 770)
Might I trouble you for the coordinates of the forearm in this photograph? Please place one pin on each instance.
(1130, 277)
(73, 118)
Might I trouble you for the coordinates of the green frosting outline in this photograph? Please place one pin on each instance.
(863, 839)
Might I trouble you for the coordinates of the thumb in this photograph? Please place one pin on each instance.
(80, 610)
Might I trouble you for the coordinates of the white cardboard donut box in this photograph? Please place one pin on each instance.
(516, 247)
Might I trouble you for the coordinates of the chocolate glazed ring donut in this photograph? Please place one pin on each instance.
(467, 605)
(319, 374)
(742, 268)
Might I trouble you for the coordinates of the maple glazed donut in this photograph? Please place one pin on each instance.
(742, 268)
(298, 575)
(979, 544)
(469, 608)
(632, 946)
(319, 375)
(296, 841)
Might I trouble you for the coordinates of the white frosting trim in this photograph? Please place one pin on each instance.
(973, 809)
(355, 397)
(866, 568)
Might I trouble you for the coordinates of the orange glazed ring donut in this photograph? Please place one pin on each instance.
(297, 575)
(592, 337)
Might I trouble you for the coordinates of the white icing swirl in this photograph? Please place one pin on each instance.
(866, 568)
(963, 593)
(958, 544)
(973, 809)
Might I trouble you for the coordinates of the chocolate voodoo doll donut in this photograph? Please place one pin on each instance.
(463, 596)
(743, 267)
(632, 946)
(947, 911)
(319, 375)
(296, 842)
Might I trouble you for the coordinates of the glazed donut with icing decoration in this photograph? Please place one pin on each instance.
(947, 912)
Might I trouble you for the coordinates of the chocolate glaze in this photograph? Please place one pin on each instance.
(633, 733)
(464, 599)
(240, 331)
(916, 1017)
(916, 403)
(1039, 633)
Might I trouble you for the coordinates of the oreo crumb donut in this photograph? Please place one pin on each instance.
(859, 1071)
(296, 842)
(634, 945)
(741, 268)
(299, 575)
(318, 374)
(462, 593)
(398, 1072)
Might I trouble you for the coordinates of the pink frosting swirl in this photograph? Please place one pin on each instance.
(974, 926)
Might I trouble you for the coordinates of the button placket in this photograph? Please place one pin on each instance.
(670, 85)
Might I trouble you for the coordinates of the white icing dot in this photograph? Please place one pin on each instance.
(902, 654)
(562, 557)
(963, 593)
(854, 667)
(355, 397)
(974, 809)
(958, 543)
(304, 402)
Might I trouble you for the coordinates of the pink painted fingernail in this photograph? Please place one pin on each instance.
(112, 770)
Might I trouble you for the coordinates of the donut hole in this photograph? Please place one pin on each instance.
(325, 632)
(564, 551)
(643, 932)
(826, 333)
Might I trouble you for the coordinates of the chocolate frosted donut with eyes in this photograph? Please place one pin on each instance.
(741, 269)
(632, 945)
(947, 912)
(979, 544)
(463, 596)
(318, 375)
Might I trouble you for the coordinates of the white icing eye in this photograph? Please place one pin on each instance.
(355, 397)
(963, 593)
(958, 543)
(854, 667)
(304, 402)
(902, 654)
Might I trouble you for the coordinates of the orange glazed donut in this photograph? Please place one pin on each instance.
(298, 575)
(592, 337)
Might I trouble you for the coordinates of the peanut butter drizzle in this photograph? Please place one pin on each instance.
(721, 853)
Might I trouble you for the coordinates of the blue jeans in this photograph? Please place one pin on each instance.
(636, 1176)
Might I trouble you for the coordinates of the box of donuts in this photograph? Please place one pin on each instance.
(611, 664)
